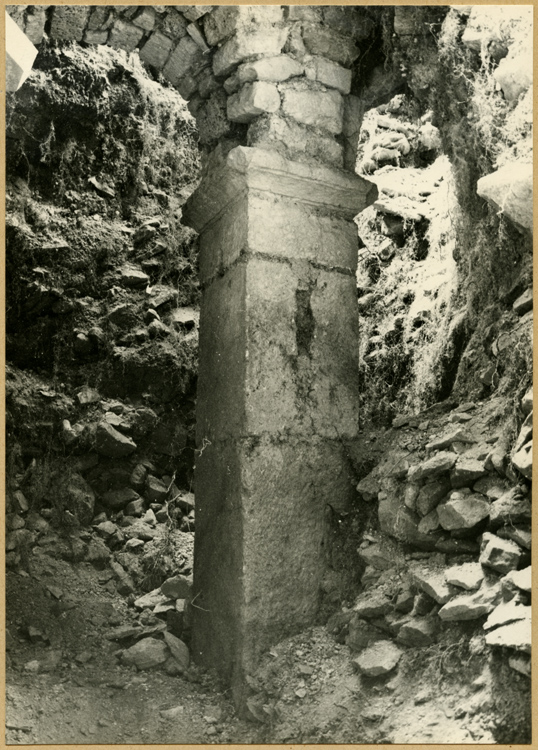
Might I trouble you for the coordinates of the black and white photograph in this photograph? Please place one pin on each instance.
(268, 374)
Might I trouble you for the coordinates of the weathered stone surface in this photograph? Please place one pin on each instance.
(514, 74)
(521, 579)
(68, 22)
(453, 436)
(380, 557)
(467, 576)
(179, 650)
(155, 490)
(505, 613)
(267, 42)
(258, 579)
(509, 190)
(186, 55)
(511, 508)
(466, 472)
(521, 534)
(522, 460)
(502, 555)
(401, 523)
(118, 499)
(472, 606)
(178, 587)
(145, 18)
(438, 464)
(517, 635)
(125, 35)
(134, 508)
(491, 486)
(418, 631)
(361, 633)
(429, 523)
(324, 41)
(133, 277)
(79, 497)
(379, 659)
(226, 20)
(526, 402)
(521, 664)
(372, 604)
(252, 100)
(106, 529)
(329, 73)
(146, 654)
(321, 109)
(110, 442)
(431, 495)
(151, 600)
(279, 68)
(462, 511)
(432, 581)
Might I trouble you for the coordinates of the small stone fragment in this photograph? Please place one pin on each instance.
(146, 654)
(378, 659)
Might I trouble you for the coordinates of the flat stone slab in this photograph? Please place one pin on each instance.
(506, 613)
(467, 576)
(516, 635)
(441, 462)
(472, 606)
(432, 581)
(522, 579)
(379, 659)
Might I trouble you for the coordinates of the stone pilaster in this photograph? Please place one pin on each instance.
(277, 393)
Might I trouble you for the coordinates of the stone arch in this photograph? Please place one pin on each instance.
(269, 87)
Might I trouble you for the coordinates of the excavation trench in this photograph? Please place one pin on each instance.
(269, 318)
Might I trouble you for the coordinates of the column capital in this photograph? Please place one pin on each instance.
(245, 168)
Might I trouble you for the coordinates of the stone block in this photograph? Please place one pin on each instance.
(418, 632)
(68, 22)
(252, 100)
(295, 141)
(156, 50)
(304, 13)
(101, 19)
(509, 190)
(514, 74)
(348, 20)
(372, 604)
(194, 12)
(472, 606)
(259, 496)
(467, 576)
(207, 83)
(267, 43)
(430, 495)
(227, 20)
(188, 87)
(185, 57)
(432, 467)
(173, 24)
(462, 511)
(145, 18)
(510, 509)
(379, 659)
(522, 460)
(466, 472)
(299, 356)
(20, 55)
(328, 73)
(302, 234)
(502, 555)
(431, 581)
(96, 37)
(125, 35)
(326, 42)
(320, 109)
(401, 523)
(317, 186)
(279, 68)
(516, 635)
(35, 23)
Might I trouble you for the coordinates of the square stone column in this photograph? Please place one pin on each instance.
(277, 395)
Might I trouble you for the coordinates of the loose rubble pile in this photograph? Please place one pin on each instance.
(459, 491)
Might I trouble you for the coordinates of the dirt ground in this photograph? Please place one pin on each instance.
(65, 684)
